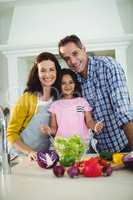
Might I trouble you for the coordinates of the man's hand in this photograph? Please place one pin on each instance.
(98, 127)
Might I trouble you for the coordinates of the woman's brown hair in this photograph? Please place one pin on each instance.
(33, 83)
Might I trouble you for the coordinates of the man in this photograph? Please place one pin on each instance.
(104, 86)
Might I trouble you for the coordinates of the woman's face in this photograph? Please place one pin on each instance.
(47, 73)
(67, 86)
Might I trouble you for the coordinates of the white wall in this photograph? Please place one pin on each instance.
(5, 21)
(48, 22)
(58, 19)
(126, 14)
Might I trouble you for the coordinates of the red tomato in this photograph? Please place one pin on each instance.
(102, 162)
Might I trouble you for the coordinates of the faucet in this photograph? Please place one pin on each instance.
(6, 169)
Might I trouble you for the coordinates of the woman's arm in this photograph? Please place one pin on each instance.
(91, 124)
(20, 146)
(19, 115)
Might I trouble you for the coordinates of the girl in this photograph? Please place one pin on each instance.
(71, 114)
(31, 110)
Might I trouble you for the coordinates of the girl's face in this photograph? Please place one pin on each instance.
(67, 86)
(47, 73)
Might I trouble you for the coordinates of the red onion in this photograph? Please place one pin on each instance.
(73, 171)
(107, 170)
(58, 170)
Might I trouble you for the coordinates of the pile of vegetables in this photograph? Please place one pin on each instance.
(69, 149)
(67, 152)
(119, 160)
(94, 167)
(67, 159)
(91, 167)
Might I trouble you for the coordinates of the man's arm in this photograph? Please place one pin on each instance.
(128, 130)
(120, 101)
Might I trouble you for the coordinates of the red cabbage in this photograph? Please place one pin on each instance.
(128, 161)
(47, 159)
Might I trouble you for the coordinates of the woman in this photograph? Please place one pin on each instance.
(31, 110)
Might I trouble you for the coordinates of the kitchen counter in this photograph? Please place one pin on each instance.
(29, 181)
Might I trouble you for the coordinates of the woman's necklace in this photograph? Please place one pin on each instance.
(44, 97)
(46, 94)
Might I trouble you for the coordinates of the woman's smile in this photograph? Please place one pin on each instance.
(47, 72)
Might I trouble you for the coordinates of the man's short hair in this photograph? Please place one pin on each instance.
(70, 38)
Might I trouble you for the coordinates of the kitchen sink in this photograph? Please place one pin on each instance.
(12, 162)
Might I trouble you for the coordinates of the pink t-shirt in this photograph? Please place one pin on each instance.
(70, 116)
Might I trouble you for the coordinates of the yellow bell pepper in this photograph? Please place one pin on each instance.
(117, 158)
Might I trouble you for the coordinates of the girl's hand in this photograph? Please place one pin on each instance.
(45, 129)
(32, 155)
(98, 127)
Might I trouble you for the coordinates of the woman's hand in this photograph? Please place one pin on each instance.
(22, 147)
(45, 129)
(32, 155)
(98, 127)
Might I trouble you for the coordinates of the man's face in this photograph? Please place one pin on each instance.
(75, 57)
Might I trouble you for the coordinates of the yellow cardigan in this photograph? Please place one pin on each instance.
(21, 115)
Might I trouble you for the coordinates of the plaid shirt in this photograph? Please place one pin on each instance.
(106, 91)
